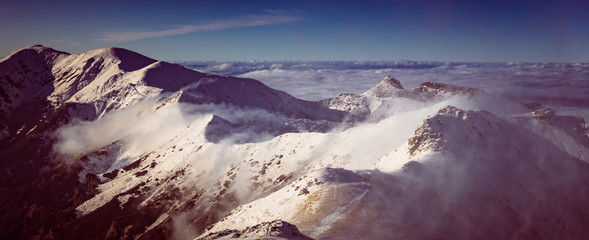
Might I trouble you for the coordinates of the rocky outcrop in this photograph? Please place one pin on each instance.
(276, 229)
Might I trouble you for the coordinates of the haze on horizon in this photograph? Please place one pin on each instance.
(477, 31)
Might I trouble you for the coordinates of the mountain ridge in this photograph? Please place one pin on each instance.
(117, 145)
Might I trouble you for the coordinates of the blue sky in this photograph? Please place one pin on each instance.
(443, 30)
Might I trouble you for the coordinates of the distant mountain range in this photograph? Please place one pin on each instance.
(110, 144)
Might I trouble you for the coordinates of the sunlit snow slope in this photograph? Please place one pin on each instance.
(110, 144)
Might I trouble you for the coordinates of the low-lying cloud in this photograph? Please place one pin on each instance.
(561, 86)
(139, 127)
(142, 127)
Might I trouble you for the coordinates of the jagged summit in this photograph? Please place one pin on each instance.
(276, 229)
(388, 87)
(391, 87)
(392, 81)
(377, 101)
(435, 88)
(451, 125)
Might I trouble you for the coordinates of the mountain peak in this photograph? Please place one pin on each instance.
(33, 50)
(276, 229)
(385, 88)
(392, 82)
(36, 47)
(129, 60)
(442, 88)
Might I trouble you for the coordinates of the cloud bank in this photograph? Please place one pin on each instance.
(561, 86)
(239, 22)
(140, 129)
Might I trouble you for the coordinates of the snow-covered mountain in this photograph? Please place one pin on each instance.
(110, 144)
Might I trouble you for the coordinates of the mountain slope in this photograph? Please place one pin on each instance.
(507, 183)
(92, 84)
(115, 145)
(89, 87)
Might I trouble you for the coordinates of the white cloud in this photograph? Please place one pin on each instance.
(240, 22)
(138, 128)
